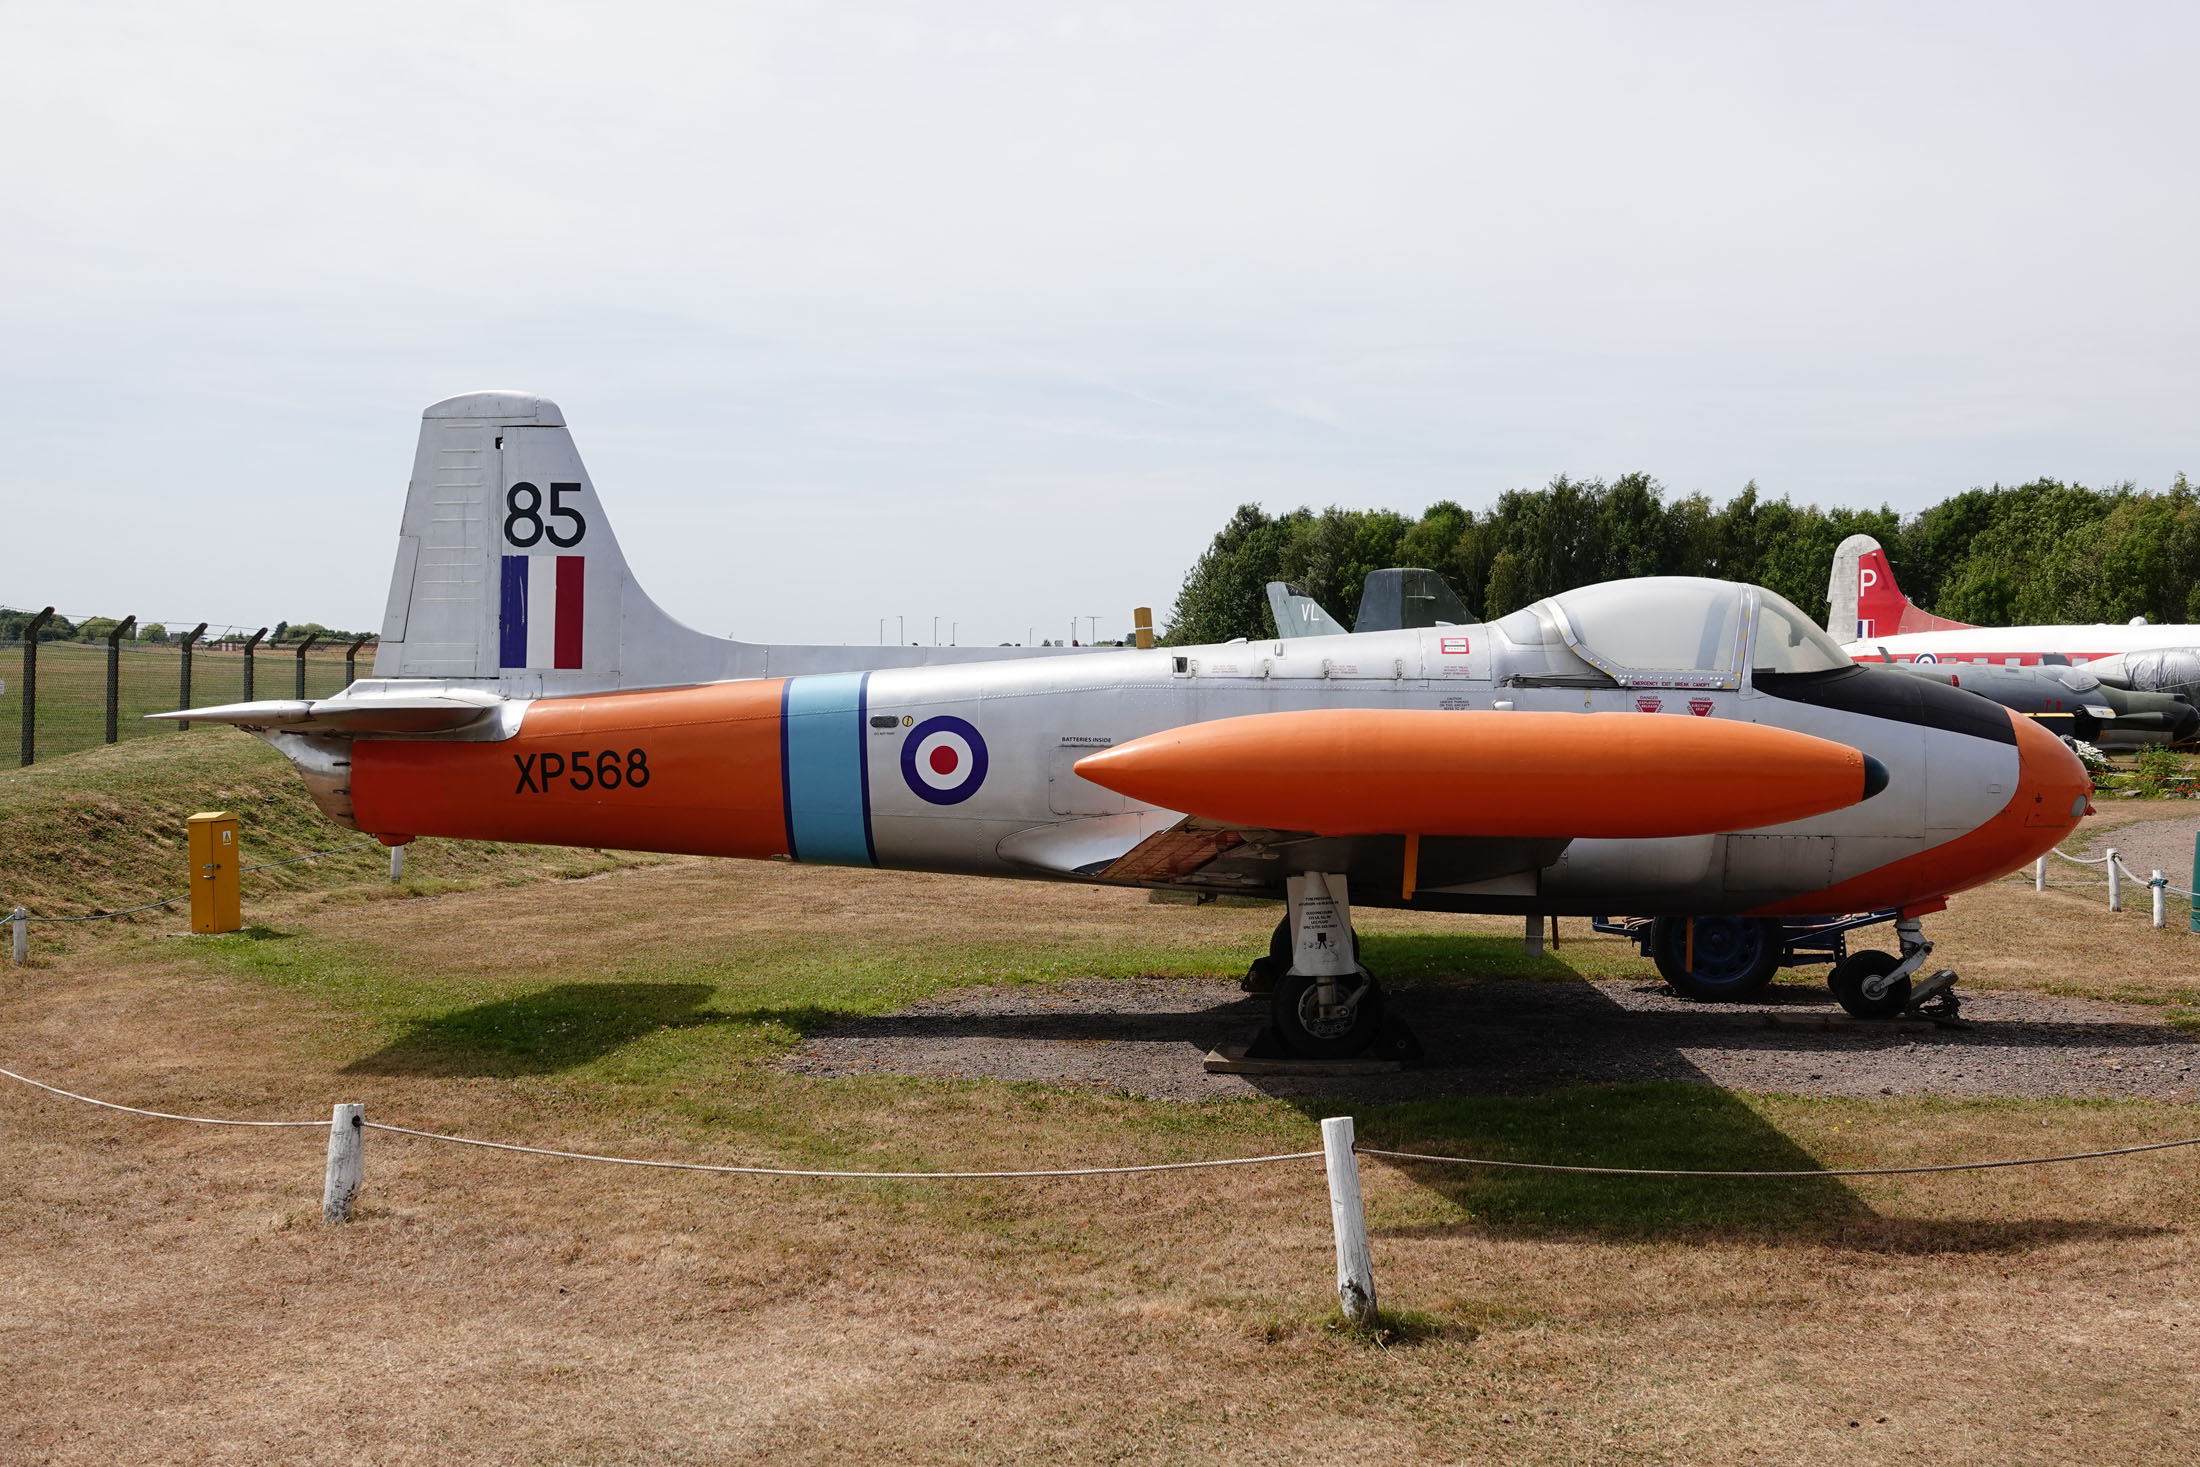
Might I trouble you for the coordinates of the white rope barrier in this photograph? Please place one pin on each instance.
(776, 1171)
(2131, 875)
(158, 1115)
(1854, 1171)
(1114, 1171)
(2115, 872)
(688, 1166)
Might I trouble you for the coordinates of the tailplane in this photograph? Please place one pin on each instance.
(1865, 602)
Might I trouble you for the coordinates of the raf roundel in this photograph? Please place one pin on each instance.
(943, 760)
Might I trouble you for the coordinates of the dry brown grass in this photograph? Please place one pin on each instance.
(167, 1294)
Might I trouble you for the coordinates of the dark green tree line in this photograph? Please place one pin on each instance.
(2039, 552)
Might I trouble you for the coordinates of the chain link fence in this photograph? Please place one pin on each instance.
(77, 694)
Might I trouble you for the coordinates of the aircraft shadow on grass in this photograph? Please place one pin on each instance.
(1554, 1070)
(562, 1027)
(1550, 1069)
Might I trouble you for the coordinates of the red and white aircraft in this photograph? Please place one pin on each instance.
(1687, 750)
(1876, 622)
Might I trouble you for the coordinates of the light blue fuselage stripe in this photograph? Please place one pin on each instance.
(826, 809)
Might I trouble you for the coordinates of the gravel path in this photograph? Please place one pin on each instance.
(1148, 1037)
(2147, 844)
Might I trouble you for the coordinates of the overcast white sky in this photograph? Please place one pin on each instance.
(994, 312)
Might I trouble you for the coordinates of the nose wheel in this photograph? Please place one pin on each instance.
(1864, 984)
(1878, 985)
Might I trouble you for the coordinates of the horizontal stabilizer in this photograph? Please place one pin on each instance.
(414, 713)
(1372, 771)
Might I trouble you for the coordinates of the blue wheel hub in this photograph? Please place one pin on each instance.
(1727, 949)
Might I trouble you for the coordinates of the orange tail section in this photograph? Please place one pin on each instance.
(695, 771)
(1368, 771)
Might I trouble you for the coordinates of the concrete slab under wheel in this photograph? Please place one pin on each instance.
(1232, 1059)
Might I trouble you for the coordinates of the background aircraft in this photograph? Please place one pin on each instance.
(2114, 684)
(1688, 750)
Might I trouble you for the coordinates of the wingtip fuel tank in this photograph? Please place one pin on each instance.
(1369, 771)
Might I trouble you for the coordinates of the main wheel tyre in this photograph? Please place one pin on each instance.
(1311, 1034)
(1847, 983)
(1734, 957)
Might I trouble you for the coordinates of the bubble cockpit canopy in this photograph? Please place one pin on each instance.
(1687, 631)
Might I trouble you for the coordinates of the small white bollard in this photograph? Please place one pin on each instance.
(2115, 883)
(397, 863)
(2039, 874)
(1355, 1267)
(20, 920)
(2160, 884)
(347, 1162)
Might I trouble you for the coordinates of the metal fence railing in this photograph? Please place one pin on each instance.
(61, 696)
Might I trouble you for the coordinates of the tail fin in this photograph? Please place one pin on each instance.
(507, 569)
(1866, 602)
(508, 574)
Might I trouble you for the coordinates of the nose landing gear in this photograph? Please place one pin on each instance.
(1877, 985)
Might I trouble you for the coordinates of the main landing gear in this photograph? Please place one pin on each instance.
(1322, 1005)
(1716, 959)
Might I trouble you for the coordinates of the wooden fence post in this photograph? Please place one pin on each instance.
(1355, 1268)
(20, 920)
(347, 1162)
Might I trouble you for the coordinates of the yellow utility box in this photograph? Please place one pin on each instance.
(215, 905)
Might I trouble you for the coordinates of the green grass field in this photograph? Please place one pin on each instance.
(72, 688)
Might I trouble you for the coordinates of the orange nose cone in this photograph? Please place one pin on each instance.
(1368, 771)
(2049, 801)
(2053, 788)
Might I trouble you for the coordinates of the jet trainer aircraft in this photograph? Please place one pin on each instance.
(1690, 750)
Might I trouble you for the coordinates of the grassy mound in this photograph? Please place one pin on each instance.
(104, 829)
